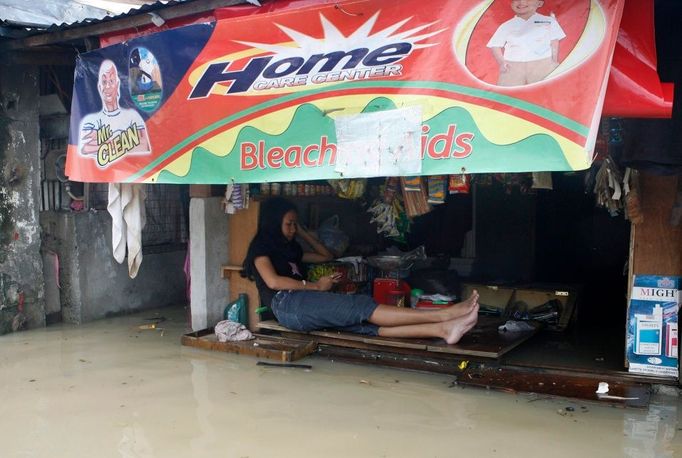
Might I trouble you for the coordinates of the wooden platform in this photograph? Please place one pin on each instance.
(483, 341)
(270, 347)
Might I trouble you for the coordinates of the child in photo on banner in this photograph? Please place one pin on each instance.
(526, 47)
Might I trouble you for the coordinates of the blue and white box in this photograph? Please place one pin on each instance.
(651, 340)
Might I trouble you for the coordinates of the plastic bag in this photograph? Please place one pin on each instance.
(332, 237)
(237, 311)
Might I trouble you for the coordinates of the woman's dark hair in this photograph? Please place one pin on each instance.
(269, 233)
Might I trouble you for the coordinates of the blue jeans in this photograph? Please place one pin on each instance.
(311, 310)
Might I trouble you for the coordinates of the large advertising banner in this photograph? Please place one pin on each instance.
(305, 90)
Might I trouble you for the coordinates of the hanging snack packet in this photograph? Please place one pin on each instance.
(436, 189)
(458, 184)
(412, 183)
(390, 189)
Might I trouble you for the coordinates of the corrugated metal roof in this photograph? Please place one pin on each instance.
(140, 10)
(51, 14)
(45, 13)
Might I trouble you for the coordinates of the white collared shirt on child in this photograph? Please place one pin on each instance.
(527, 40)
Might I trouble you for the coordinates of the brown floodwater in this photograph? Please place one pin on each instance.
(109, 389)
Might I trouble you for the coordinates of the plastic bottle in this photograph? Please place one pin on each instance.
(237, 310)
(414, 297)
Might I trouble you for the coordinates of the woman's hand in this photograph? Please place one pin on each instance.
(321, 254)
(301, 230)
(327, 282)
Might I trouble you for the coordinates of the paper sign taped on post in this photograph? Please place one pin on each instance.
(383, 143)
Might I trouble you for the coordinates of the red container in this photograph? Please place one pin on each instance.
(428, 305)
(390, 291)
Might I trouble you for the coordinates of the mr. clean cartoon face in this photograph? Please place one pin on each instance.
(109, 87)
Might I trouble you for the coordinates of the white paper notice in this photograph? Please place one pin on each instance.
(384, 143)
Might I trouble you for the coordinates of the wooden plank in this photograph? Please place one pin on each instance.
(241, 228)
(227, 271)
(200, 190)
(483, 341)
(415, 344)
(657, 245)
(493, 375)
(116, 25)
(269, 347)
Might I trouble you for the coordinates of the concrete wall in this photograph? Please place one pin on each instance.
(93, 284)
(208, 252)
(21, 266)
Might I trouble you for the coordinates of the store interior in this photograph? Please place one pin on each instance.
(502, 233)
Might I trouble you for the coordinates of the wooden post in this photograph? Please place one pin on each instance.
(656, 245)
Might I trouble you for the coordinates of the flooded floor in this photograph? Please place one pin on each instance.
(108, 389)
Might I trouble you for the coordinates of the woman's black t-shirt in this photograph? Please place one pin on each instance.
(285, 261)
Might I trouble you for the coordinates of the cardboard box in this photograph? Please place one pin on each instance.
(651, 341)
(536, 298)
(490, 296)
(528, 299)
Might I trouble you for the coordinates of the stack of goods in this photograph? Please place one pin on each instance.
(387, 210)
(415, 196)
(608, 188)
(349, 188)
(236, 198)
(437, 184)
(458, 184)
(294, 189)
(343, 270)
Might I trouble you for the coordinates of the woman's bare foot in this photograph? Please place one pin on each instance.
(461, 308)
(453, 330)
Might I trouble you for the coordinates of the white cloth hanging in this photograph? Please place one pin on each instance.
(126, 206)
(118, 229)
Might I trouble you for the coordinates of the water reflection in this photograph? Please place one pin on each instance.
(650, 434)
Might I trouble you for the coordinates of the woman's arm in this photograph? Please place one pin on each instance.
(321, 254)
(279, 282)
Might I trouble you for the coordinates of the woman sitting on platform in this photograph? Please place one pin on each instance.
(274, 262)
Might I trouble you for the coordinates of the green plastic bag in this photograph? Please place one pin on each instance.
(237, 310)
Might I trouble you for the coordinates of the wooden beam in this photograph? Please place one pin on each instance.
(539, 383)
(278, 348)
(114, 25)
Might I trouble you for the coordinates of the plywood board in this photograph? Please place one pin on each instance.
(241, 228)
(657, 245)
(483, 341)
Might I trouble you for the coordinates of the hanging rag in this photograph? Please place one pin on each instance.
(127, 209)
(515, 326)
(118, 229)
(232, 331)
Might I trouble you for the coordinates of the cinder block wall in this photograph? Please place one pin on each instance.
(22, 301)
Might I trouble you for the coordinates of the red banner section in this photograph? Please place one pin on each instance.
(304, 90)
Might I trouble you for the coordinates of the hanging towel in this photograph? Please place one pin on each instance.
(135, 217)
(118, 229)
(126, 206)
